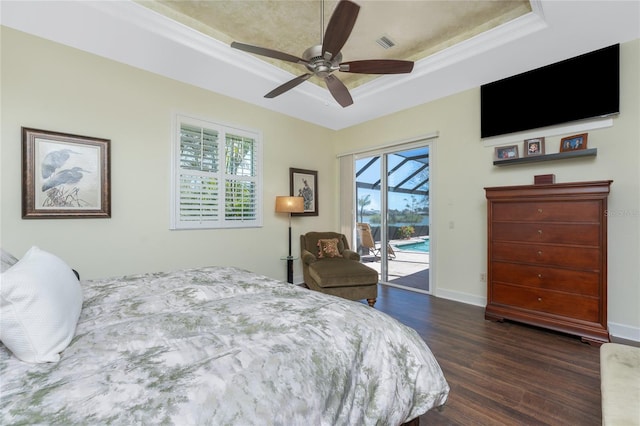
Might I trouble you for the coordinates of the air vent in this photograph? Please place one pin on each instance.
(385, 42)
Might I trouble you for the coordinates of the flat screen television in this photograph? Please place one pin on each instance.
(582, 87)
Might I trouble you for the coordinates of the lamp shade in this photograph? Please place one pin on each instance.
(287, 204)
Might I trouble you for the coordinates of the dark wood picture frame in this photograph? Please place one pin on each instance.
(574, 143)
(65, 176)
(533, 147)
(304, 183)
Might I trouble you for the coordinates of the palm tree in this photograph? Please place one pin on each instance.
(362, 203)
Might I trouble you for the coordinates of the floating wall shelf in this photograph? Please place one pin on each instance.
(549, 157)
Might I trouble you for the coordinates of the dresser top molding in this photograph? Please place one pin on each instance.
(592, 188)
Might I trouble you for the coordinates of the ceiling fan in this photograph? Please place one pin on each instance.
(322, 60)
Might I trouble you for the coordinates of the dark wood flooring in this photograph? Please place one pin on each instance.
(501, 373)
(418, 280)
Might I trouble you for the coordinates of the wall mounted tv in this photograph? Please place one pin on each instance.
(586, 86)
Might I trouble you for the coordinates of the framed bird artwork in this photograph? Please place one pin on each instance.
(64, 175)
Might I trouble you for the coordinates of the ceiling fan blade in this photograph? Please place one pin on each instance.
(340, 25)
(288, 86)
(267, 52)
(377, 66)
(338, 90)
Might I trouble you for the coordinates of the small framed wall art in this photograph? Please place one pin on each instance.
(533, 147)
(573, 143)
(304, 183)
(506, 152)
(64, 176)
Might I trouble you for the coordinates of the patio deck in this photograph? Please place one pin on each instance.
(409, 269)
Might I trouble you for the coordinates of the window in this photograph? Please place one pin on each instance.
(217, 173)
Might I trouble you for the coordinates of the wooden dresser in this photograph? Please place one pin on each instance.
(547, 257)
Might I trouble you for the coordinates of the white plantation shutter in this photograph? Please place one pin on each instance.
(198, 198)
(216, 176)
(240, 169)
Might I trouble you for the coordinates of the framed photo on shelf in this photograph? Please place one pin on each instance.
(573, 143)
(506, 152)
(533, 147)
(64, 176)
(304, 183)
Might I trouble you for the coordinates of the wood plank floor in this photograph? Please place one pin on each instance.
(501, 373)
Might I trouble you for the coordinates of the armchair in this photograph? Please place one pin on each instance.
(329, 266)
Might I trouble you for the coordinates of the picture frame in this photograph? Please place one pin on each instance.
(65, 176)
(574, 143)
(533, 147)
(304, 183)
(506, 152)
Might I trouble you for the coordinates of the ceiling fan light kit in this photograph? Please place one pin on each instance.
(323, 59)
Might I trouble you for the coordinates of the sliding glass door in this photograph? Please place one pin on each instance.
(392, 218)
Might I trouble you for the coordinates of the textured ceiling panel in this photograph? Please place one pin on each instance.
(418, 28)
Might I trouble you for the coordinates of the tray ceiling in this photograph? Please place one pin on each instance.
(417, 28)
(457, 45)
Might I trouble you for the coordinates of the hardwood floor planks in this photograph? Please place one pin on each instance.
(501, 373)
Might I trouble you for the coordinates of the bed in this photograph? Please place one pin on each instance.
(219, 346)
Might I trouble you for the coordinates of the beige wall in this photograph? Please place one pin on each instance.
(52, 87)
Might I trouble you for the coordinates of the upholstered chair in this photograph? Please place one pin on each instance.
(330, 267)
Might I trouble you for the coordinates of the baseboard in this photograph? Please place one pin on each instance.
(458, 296)
(625, 332)
(298, 279)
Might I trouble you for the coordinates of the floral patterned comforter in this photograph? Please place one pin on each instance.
(224, 346)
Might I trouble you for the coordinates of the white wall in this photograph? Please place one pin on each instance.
(52, 87)
(463, 166)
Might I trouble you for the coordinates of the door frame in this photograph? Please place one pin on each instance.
(428, 141)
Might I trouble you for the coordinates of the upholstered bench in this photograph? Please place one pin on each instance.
(620, 384)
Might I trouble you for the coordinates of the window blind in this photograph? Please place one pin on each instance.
(217, 178)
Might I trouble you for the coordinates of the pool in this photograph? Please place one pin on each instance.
(421, 246)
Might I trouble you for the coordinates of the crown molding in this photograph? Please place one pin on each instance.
(127, 32)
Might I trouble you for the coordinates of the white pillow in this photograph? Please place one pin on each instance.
(7, 260)
(40, 304)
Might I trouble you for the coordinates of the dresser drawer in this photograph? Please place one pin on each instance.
(539, 300)
(573, 257)
(569, 233)
(583, 283)
(551, 211)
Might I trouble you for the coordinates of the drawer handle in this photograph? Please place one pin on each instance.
(539, 210)
(539, 299)
(540, 231)
(539, 252)
(540, 276)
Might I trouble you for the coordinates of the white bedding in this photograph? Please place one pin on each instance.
(223, 346)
